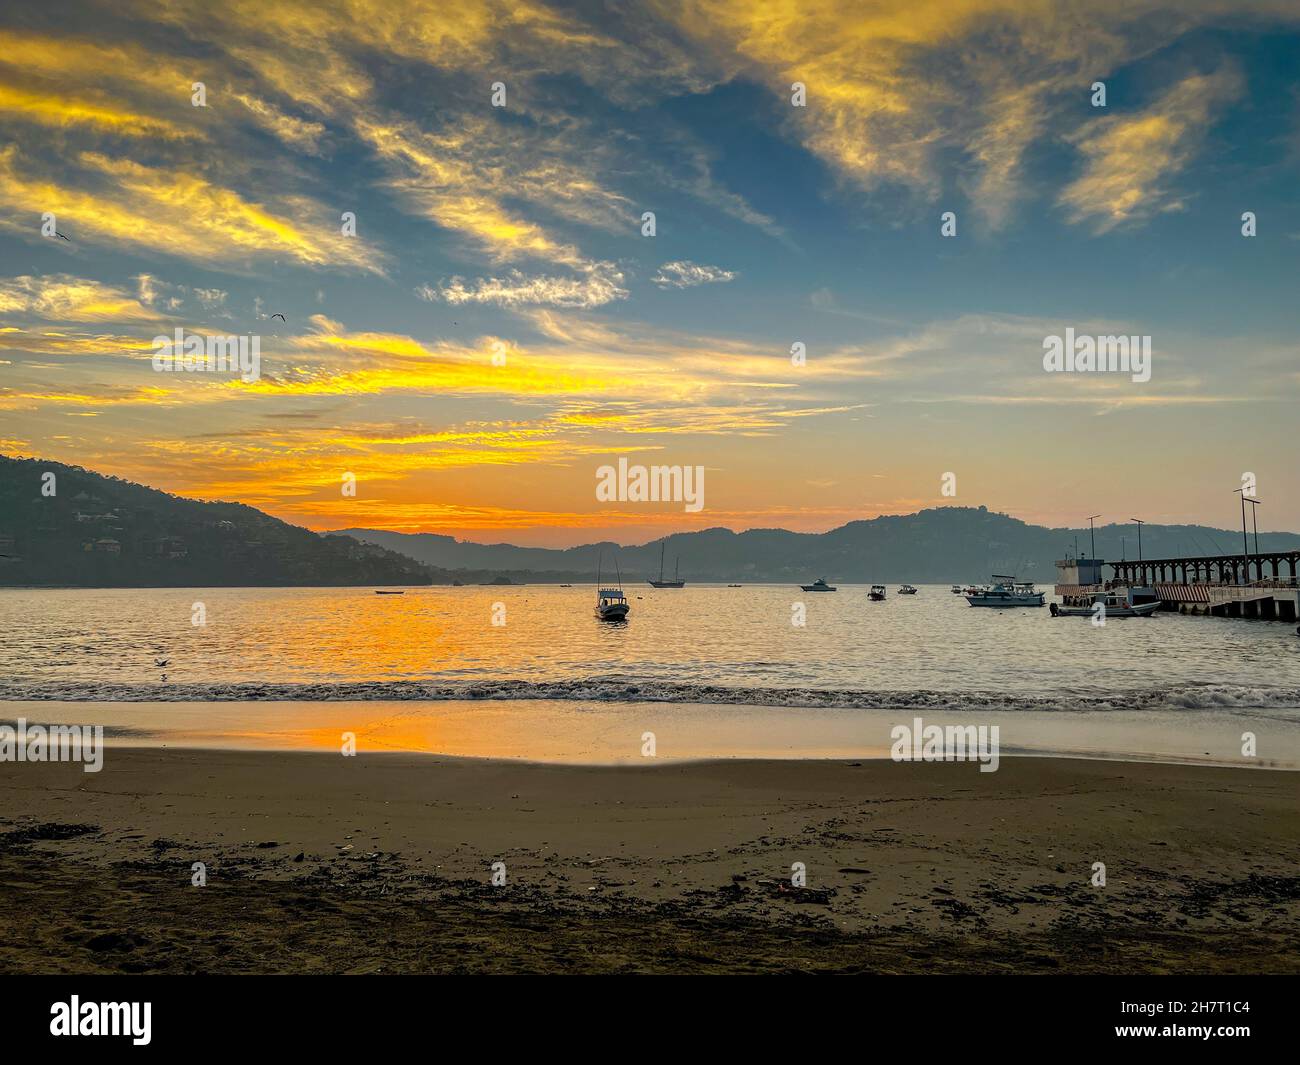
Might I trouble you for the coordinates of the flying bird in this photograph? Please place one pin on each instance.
(281, 317)
(58, 234)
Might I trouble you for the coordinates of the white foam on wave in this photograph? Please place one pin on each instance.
(1189, 697)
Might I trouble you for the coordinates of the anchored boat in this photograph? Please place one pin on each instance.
(1006, 591)
(611, 603)
(819, 585)
(1113, 606)
(877, 593)
(676, 582)
(907, 589)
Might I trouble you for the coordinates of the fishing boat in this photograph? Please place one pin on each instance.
(819, 585)
(611, 603)
(1006, 591)
(877, 593)
(676, 582)
(907, 589)
(1113, 606)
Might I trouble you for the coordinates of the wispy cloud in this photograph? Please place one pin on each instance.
(593, 286)
(686, 274)
(1132, 159)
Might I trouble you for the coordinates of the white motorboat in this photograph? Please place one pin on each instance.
(907, 589)
(1006, 592)
(1113, 606)
(611, 603)
(877, 592)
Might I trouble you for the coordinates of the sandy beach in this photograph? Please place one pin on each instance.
(383, 863)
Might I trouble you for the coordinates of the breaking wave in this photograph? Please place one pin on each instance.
(1188, 697)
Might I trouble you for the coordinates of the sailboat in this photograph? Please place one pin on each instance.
(676, 582)
(611, 603)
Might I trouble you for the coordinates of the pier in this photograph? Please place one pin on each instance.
(1260, 585)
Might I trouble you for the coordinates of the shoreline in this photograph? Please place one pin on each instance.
(383, 862)
(602, 732)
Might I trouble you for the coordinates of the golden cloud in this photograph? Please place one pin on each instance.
(65, 298)
(1130, 159)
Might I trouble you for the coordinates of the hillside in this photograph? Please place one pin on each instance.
(941, 545)
(98, 531)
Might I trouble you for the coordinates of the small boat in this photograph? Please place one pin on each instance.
(735, 586)
(676, 582)
(877, 593)
(611, 603)
(907, 589)
(1005, 592)
(956, 589)
(1114, 606)
(819, 585)
(378, 592)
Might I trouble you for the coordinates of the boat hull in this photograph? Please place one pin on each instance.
(666, 584)
(1137, 610)
(813, 588)
(617, 612)
(1004, 602)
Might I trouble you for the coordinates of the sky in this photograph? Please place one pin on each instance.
(500, 324)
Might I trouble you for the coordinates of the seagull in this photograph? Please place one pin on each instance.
(281, 317)
(58, 234)
(162, 662)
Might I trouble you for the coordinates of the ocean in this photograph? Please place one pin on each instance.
(539, 653)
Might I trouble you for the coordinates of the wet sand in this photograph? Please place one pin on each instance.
(382, 863)
(593, 732)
